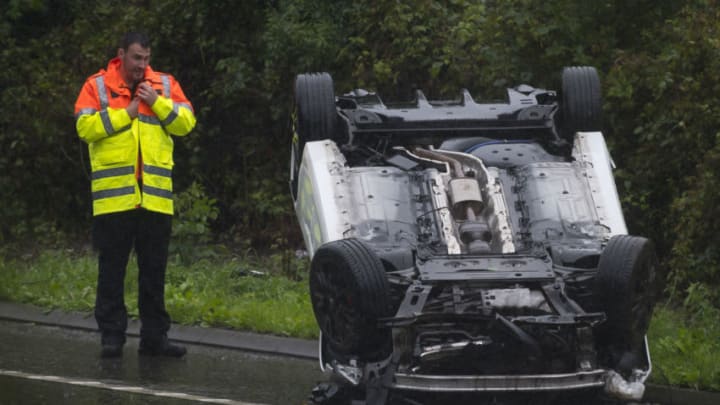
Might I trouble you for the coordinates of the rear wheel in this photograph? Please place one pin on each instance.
(626, 288)
(349, 292)
(314, 115)
(581, 101)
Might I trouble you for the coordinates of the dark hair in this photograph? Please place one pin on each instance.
(134, 38)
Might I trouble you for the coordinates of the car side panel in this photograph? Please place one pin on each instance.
(316, 206)
(590, 148)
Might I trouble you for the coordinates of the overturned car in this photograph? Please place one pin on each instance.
(460, 246)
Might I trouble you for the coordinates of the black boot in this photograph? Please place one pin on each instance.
(161, 347)
(111, 350)
(112, 344)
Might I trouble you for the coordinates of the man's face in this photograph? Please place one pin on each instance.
(134, 62)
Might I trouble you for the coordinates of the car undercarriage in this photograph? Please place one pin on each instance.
(466, 247)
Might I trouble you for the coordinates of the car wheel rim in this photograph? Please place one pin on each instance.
(333, 301)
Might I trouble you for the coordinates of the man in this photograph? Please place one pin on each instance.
(127, 114)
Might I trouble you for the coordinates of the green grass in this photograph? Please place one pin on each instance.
(685, 347)
(684, 338)
(207, 292)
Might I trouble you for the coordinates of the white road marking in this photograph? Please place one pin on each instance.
(122, 388)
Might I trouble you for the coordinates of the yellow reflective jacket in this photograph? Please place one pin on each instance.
(131, 159)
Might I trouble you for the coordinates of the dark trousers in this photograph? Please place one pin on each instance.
(114, 236)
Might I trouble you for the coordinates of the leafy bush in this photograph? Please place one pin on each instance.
(191, 233)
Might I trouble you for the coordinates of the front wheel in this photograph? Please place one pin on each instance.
(349, 293)
(626, 288)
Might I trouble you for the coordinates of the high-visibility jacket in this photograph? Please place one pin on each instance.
(131, 159)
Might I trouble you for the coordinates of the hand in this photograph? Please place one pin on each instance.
(132, 108)
(146, 93)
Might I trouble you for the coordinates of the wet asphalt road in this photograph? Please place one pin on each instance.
(32, 356)
(51, 365)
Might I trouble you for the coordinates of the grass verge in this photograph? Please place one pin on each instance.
(241, 294)
(684, 338)
(685, 346)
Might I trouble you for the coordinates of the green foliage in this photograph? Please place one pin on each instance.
(665, 108)
(235, 295)
(300, 37)
(696, 253)
(685, 343)
(194, 211)
(396, 45)
(54, 279)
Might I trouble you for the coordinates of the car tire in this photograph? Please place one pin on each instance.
(349, 291)
(315, 113)
(314, 116)
(626, 288)
(581, 101)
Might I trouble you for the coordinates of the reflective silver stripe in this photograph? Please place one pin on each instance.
(113, 192)
(158, 171)
(117, 171)
(85, 111)
(102, 95)
(105, 117)
(102, 92)
(171, 117)
(184, 105)
(148, 119)
(166, 85)
(158, 192)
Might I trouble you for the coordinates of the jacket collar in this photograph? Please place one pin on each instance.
(114, 79)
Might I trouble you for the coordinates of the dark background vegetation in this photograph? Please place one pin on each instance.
(659, 62)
